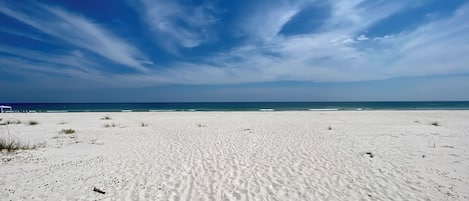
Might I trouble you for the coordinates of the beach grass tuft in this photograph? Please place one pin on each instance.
(67, 131)
(33, 123)
(109, 125)
(13, 122)
(13, 145)
(106, 118)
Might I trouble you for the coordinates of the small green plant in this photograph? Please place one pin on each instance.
(435, 123)
(67, 131)
(106, 118)
(33, 123)
(143, 124)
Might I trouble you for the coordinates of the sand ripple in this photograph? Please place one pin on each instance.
(243, 156)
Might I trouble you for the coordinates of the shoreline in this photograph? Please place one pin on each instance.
(259, 110)
(237, 106)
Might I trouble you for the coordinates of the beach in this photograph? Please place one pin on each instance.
(289, 155)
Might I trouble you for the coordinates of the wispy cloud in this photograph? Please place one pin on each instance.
(177, 25)
(438, 47)
(25, 35)
(338, 51)
(35, 66)
(328, 57)
(73, 59)
(352, 16)
(267, 21)
(79, 32)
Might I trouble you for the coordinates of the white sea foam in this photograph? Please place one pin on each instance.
(331, 109)
(162, 110)
(57, 111)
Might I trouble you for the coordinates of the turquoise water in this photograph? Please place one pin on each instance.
(235, 106)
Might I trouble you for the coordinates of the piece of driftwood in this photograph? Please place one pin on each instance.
(98, 190)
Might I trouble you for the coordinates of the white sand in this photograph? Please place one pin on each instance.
(240, 156)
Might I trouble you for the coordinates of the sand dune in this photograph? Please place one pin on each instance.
(364, 155)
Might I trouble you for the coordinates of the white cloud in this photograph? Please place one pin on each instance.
(80, 32)
(73, 59)
(362, 38)
(268, 20)
(332, 56)
(334, 53)
(348, 41)
(176, 25)
(25, 35)
(352, 16)
(439, 47)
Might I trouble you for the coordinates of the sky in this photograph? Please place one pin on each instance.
(214, 50)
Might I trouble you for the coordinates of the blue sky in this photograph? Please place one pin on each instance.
(213, 50)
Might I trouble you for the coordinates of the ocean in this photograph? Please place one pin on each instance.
(235, 106)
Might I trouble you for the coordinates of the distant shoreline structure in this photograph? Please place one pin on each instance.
(234, 106)
(5, 108)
